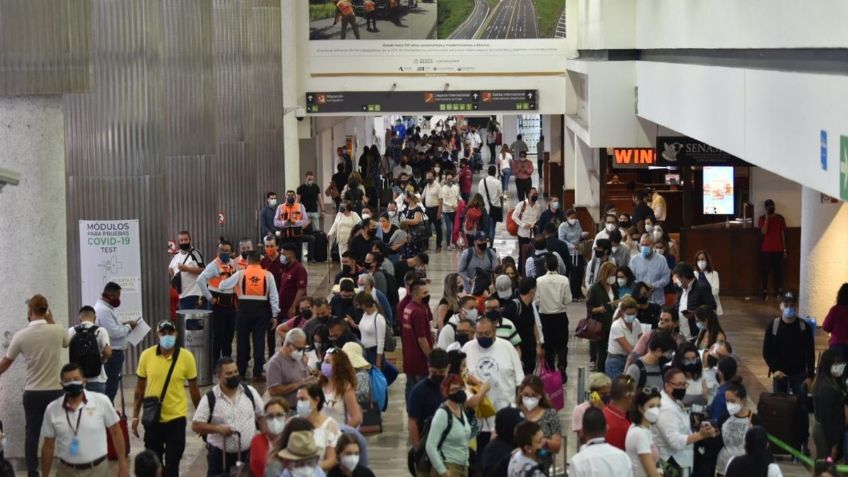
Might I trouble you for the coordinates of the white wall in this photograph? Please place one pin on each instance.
(741, 24)
(824, 256)
(771, 119)
(785, 193)
(606, 24)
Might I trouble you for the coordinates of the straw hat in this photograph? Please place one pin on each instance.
(301, 446)
(354, 354)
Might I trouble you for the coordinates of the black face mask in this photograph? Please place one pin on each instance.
(306, 314)
(425, 299)
(244, 255)
(480, 246)
(485, 341)
(73, 389)
(185, 247)
(458, 397)
(770, 210)
(346, 268)
(600, 254)
(692, 368)
(678, 394)
(437, 379)
(462, 338)
(533, 198)
(233, 382)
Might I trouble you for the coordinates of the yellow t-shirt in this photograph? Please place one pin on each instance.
(154, 367)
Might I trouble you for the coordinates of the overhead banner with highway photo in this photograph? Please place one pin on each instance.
(437, 37)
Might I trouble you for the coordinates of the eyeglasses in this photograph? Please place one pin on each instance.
(650, 390)
(682, 385)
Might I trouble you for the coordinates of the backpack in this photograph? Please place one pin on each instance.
(539, 264)
(643, 373)
(776, 324)
(417, 460)
(379, 388)
(490, 254)
(355, 195)
(84, 351)
(210, 398)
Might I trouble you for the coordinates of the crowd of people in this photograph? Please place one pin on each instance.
(484, 366)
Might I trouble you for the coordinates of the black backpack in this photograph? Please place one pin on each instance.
(539, 264)
(355, 195)
(84, 351)
(417, 461)
(210, 398)
(643, 373)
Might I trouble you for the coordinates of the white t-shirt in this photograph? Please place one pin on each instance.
(450, 197)
(372, 328)
(619, 330)
(189, 280)
(498, 365)
(448, 334)
(94, 416)
(639, 441)
(102, 342)
(431, 195)
(505, 160)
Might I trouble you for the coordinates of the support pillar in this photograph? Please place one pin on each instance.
(824, 257)
(587, 186)
(33, 227)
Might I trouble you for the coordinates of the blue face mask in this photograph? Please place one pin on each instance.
(646, 251)
(789, 312)
(224, 257)
(167, 341)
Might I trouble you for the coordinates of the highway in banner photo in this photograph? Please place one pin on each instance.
(506, 19)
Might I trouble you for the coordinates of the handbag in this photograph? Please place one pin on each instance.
(589, 329)
(485, 408)
(389, 342)
(151, 407)
(177, 279)
(552, 381)
(495, 212)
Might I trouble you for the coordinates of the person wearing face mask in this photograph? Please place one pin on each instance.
(310, 406)
(392, 235)
(534, 404)
(651, 268)
(522, 169)
(692, 295)
(287, 371)
(372, 329)
(553, 214)
(416, 336)
(450, 431)
(348, 452)
(619, 253)
(449, 333)
(772, 248)
(107, 318)
(291, 219)
(267, 214)
(275, 420)
(600, 255)
(599, 307)
(687, 358)
(596, 457)
(674, 436)
(624, 333)
(75, 428)
(227, 415)
(554, 296)
(426, 396)
(478, 257)
(641, 208)
(256, 290)
(610, 223)
(829, 405)
(647, 370)
(527, 459)
(639, 444)
(449, 195)
(183, 270)
(163, 370)
(343, 226)
(245, 246)
(740, 420)
(222, 299)
(709, 276)
(526, 215)
(789, 349)
(494, 361)
(309, 194)
(432, 203)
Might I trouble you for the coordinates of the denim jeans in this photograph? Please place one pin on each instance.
(35, 403)
(490, 228)
(449, 217)
(315, 220)
(505, 175)
(190, 303)
(96, 387)
(113, 369)
(614, 365)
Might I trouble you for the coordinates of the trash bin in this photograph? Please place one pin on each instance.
(195, 335)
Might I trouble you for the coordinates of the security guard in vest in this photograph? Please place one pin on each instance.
(245, 247)
(344, 11)
(256, 290)
(223, 300)
(292, 220)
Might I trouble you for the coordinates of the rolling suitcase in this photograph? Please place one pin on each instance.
(319, 248)
(782, 416)
(112, 454)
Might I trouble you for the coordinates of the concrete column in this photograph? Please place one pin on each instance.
(291, 98)
(587, 192)
(824, 257)
(33, 227)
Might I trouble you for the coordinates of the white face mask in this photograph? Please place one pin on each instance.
(702, 265)
(302, 472)
(350, 462)
(611, 280)
(297, 355)
(614, 248)
(304, 408)
(471, 314)
(366, 216)
(621, 281)
(659, 251)
(276, 425)
(530, 403)
(652, 414)
(392, 213)
(609, 227)
(658, 234)
(272, 202)
(733, 408)
(572, 221)
(649, 228)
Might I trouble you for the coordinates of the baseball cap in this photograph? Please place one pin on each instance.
(166, 325)
(480, 236)
(788, 297)
(503, 284)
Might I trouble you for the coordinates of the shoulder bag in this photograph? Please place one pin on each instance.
(177, 279)
(151, 407)
(495, 212)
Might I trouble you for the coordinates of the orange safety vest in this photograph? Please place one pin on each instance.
(369, 6)
(225, 270)
(345, 7)
(253, 285)
(292, 212)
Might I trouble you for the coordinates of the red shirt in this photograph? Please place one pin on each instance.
(465, 180)
(415, 324)
(402, 306)
(617, 426)
(294, 279)
(259, 447)
(836, 323)
(274, 266)
(773, 239)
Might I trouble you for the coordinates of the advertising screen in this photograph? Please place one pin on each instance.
(718, 190)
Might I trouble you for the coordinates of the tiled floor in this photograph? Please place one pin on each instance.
(744, 321)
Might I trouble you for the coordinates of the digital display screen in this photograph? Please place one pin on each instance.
(718, 190)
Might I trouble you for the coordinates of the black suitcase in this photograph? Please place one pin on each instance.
(319, 248)
(334, 252)
(783, 416)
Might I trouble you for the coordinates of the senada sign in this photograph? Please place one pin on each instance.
(685, 151)
(633, 157)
